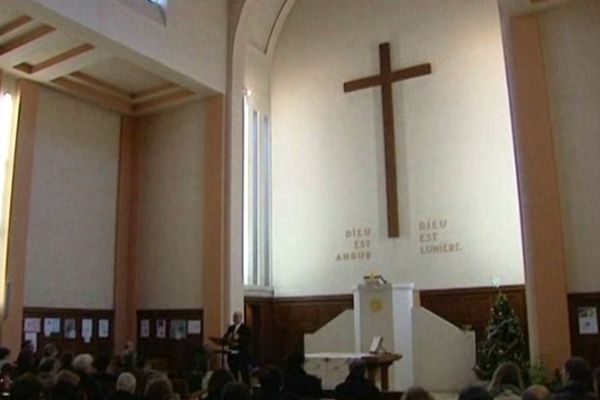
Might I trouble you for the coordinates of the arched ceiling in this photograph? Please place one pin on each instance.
(265, 18)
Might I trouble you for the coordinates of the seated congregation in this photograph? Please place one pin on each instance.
(130, 376)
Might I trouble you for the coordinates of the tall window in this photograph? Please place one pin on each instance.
(8, 112)
(257, 197)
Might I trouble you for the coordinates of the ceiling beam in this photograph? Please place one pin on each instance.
(25, 39)
(57, 59)
(14, 24)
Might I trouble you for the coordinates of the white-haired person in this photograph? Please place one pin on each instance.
(83, 365)
(159, 387)
(125, 389)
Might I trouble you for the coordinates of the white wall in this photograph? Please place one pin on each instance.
(257, 71)
(453, 137)
(570, 38)
(169, 242)
(193, 42)
(71, 239)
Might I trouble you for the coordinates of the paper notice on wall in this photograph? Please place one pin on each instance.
(87, 329)
(145, 328)
(32, 337)
(51, 326)
(194, 327)
(178, 329)
(32, 325)
(588, 320)
(70, 328)
(103, 328)
(161, 328)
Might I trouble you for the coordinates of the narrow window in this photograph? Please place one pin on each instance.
(257, 198)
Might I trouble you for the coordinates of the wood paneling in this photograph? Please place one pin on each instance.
(278, 324)
(587, 346)
(167, 352)
(96, 346)
(472, 307)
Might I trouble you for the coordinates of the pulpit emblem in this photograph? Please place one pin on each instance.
(376, 305)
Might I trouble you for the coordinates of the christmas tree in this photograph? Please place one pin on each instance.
(504, 342)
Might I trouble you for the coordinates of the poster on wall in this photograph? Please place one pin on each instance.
(87, 329)
(70, 328)
(194, 327)
(588, 320)
(161, 328)
(145, 328)
(32, 337)
(178, 329)
(51, 326)
(32, 325)
(103, 328)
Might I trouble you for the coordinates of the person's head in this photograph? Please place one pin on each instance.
(66, 387)
(83, 364)
(68, 377)
(235, 391)
(357, 368)
(47, 365)
(4, 353)
(142, 363)
(578, 370)
(50, 350)
(27, 387)
(126, 382)
(101, 363)
(159, 387)
(474, 392)
(535, 392)
(507, 373)
(115, 366)
(416, 393)
(219, 378)
(6, 373)
(270, 379)
(27, 346)
(237, 317)
(129, 346)
(66, 361)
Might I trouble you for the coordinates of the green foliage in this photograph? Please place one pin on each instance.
(539, 375)
(504, 342)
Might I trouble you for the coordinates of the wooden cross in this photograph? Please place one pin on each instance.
(385, 79)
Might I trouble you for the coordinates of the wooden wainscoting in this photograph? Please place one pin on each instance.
(279, 324)
(169, 353)
(587, 346)
(471, 307)
(96, 345)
